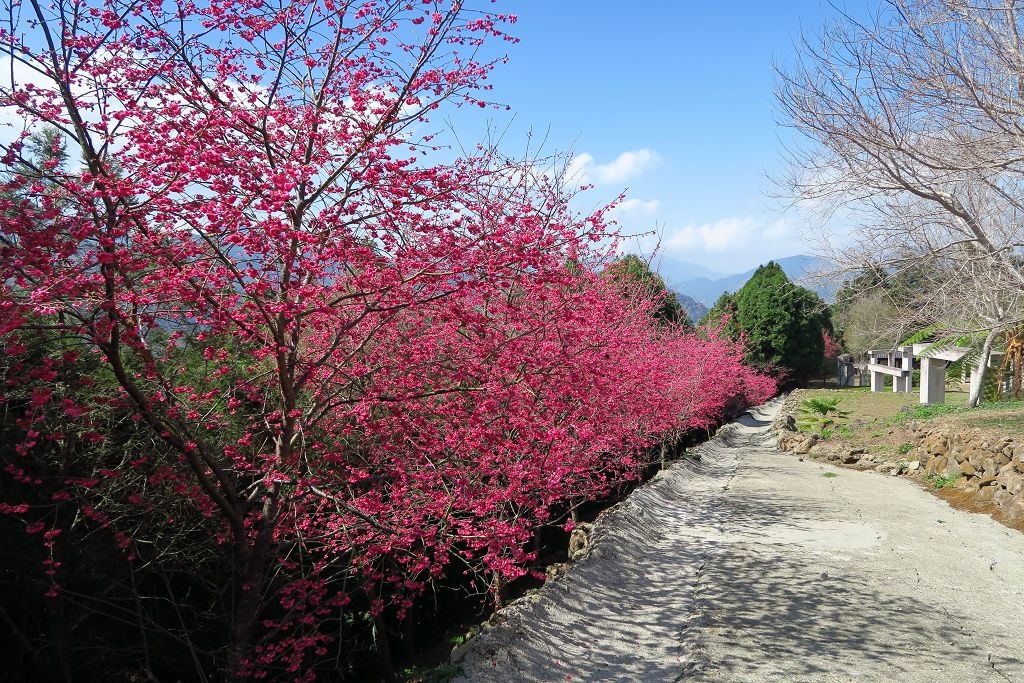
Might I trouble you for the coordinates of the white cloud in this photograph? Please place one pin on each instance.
(728, 233)
(584, 169)
(635, 207)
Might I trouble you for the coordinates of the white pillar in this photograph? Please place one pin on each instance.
(904, 384)
(877, 381)
(933, 380)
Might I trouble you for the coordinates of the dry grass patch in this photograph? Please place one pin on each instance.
(878, 421)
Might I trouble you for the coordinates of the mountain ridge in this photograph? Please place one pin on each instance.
(706, 290)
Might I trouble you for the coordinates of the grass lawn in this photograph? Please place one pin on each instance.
(877, 421)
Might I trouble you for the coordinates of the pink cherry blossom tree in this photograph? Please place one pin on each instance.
(323, 362)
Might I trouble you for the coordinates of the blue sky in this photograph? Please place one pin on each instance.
(668, 100)
(672, 100)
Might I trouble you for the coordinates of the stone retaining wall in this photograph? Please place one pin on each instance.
(989, 467)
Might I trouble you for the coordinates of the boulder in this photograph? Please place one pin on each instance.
(987, 494)
(579, 542)
(804, 447)
(976, 456)
(936, 444)
(967, 469)
(952, 469)
(851, 456)
(936, 464)
(553, 571)
(1014, 509)
(1012, 481)
(990, 466)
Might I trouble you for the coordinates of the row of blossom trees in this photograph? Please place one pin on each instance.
(270, 368)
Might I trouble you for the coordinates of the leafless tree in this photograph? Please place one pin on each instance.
(911, 123)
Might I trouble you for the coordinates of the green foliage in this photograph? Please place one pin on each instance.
(723, 311)
(830, 475)
(820, 413)
(942, 481)
(445, 673)
(904, 448)
(637, 278)
(923, 412)
(783, 324)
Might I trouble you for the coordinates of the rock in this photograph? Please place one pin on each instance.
(553, 571)
(820, 449)
(977, 456)
(987, 494)
(460, 650)
(805, 446)
(851, 456)
(1014, 510)
(952, 469)
(990, 466)
(936, 444)
(579, 541)
(1002, 497)
(967, 469)
(914, 466)
(936, 464)
(987, 481)
(1012, 481)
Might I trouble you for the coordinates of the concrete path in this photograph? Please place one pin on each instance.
(753, 566)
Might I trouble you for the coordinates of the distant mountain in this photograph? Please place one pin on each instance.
(695, 310)
(706, 290)
(674, 271)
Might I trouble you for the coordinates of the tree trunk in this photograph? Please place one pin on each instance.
(385, 665)
(978, 379)
(251, 583)
(61, 638)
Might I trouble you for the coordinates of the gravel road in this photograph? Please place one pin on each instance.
(750, 565)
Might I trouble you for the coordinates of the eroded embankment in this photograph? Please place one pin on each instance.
(621, 612)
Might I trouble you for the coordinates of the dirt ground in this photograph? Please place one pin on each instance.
(752, 565)
(881, 424)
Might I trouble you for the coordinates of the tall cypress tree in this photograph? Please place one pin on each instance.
(783, 323)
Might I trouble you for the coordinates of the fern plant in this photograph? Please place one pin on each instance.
(820, 413)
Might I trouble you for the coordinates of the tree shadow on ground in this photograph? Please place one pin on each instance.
(688, 584)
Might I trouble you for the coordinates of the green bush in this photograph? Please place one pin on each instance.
(942, 481)
(820, 413)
